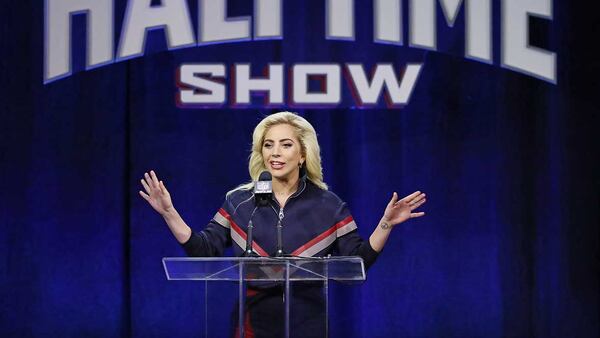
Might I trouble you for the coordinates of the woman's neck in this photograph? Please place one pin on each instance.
(285, 187)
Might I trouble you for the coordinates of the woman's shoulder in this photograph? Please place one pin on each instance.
(238, 196)
(324, 195)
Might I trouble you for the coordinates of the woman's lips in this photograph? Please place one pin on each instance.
(276, 164)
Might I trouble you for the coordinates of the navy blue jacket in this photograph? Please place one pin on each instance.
(315, 223)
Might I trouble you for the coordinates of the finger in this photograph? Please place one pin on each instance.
(418, 204)
(148, 181)
(411, 196)
(144, 195)
(417, 198)
(417, 214)
(163, 189)
(154, 179)
(146, 186)
(394, 199)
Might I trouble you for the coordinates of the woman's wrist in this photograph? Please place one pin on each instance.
(385, 224)
(170, 213)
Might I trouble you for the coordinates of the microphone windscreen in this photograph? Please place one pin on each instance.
(264, 185)
(265, 176)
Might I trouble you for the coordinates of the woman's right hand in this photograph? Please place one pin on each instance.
(156, 194)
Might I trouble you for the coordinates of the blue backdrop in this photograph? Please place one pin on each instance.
(509, 245)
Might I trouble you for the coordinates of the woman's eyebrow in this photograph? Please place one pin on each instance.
(283, 139)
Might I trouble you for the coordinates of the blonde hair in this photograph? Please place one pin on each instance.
(309, 148)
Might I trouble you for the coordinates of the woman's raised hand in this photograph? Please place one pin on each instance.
(398, 211)
(156, 194)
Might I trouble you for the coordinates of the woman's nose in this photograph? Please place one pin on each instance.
(275, 151)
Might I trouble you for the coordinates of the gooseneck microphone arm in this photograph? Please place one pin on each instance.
(250, 239)
(263, 190)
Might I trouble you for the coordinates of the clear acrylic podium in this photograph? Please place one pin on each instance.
(281, 271)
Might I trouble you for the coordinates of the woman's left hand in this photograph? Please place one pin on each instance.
(398, 211)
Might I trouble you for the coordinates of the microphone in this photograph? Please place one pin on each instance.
(263, 188)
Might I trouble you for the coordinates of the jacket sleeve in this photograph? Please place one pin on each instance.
(349, 242)
(212, 241)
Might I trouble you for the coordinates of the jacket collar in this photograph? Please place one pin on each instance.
(301, 186)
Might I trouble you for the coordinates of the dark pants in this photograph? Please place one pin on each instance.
(265, 312)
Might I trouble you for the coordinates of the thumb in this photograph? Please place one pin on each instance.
(394, 199)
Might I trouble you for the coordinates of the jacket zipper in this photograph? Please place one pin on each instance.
(281, 215)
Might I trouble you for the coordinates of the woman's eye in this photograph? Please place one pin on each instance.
(268, 145)
(287, 145)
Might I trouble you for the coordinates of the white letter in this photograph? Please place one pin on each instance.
(388, 21)
(273, 84)
(369, 93)
(331, 95)
(478, 27)
(516, 52)
(340, 19)
(58, 35)
(172, 16)
(214, 92)
(214, 27)
(422, 29)
(267, 19)
(479, 30)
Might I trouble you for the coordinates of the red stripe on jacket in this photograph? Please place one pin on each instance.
(322, 236)
(241, 232)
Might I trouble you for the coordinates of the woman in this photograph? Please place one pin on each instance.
(315, 221)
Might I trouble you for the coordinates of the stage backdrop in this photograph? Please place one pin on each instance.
(509, 161)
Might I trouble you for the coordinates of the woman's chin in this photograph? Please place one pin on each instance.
(281, 174)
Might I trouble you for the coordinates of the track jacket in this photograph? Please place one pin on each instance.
(316, 223)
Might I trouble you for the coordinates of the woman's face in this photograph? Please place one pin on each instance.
(281, 152)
